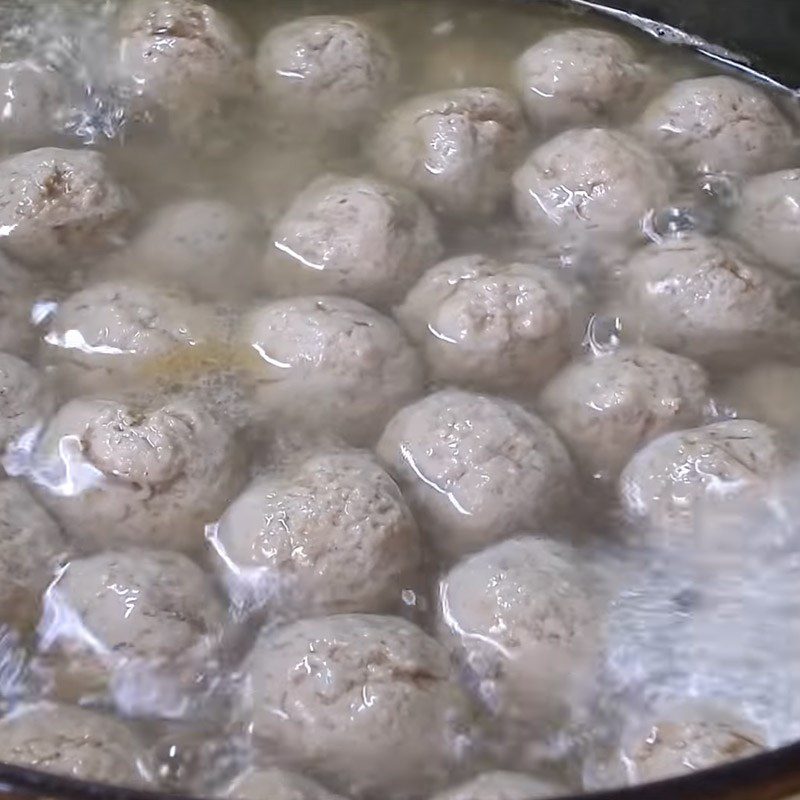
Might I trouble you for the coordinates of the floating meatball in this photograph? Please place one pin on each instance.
(25, 400)
(17, 334)
(475, 469)
(153, 474)
(333, 534)
(59, 206)
(276, 784)
(30, 102)
(590, 188)
(578, 77)
(501, 785)
(522, 620)
(493, 325)
(718, 124)
(669, 484)
(606, 407)
(327, 688)
(330, 363)
(456, 148)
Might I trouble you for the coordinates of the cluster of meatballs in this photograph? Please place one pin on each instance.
(362, 469)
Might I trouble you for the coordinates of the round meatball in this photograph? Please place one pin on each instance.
(326, 688)
(718, 124)
(118, 472)
(456, 148)
(60, 206)
(330, 363)
(71, 741)
(522, 621)
(706, 299)
(25, 400)
(493, 325)
(30, 102)
(332, 534)
(31, 549)
(500, 785)
(668, 485)
(578, 77)
(17, 292)
(328, 72)
(475, 469)
(767, 219)
(353, 236)
(606, 407)
(276, 784)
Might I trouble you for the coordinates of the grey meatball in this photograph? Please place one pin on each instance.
(330, 363)
(475, 469)
(718, 124)
(456, 148)
(327, 72)
(500, 785)
(25, 400)
(577, 77)
(326, 688)
(116, 472)
(606, 407)
(272, 783)
(329, 535)
(30, 102)
(59, 206)
(17, 292)
(522, 620)
(353, 236)
(493, 325)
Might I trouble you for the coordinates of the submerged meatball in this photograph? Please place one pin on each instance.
(476, 469)
(25, 399)
(116, 472)
(329, 72)
(17, 334)
(326, 688)
(456, 148)
(590, 188)
(579, 76)
(606, 407)
(30, 101)
(272, 783)
(669, 484)
(718, 124)
(354, 236)
(330, 363)
(500, 785)
(493, 325)
(332, 534)
(521, 619)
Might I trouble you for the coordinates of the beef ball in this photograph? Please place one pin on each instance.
(30, 103)
(330, 363)
(456, 148)
(708, 300)
(579, 76)
(71, 741)
(276, 784)
(117, 472)
(25, 400)
(670, 483)
(718, 124)
(332, 534)
(326, 688)
(60, 206)
(590, 188)
(493, 325)
(17, 292)
(475, 469)
(359, 237)
(328, 72)
(500, 785)
(522, 620)
(606, 407)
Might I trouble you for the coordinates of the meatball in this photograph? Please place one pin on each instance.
(767, 219)
(501, 785)
(17, 334)
(353, 236)
(521, 619)
(332, 534)
(718, 124)
(456, 148)
(606, 407)
(590, 188)
(330, 363)
(707, 299)
(668, 485)
(58, 206)
(30, 102)
(25, 400)
(326, 688)
(578, 77)
(493, 325)
(71, 741)
(121, 472)
(31, 549)
(276, 784)
(475, 469)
